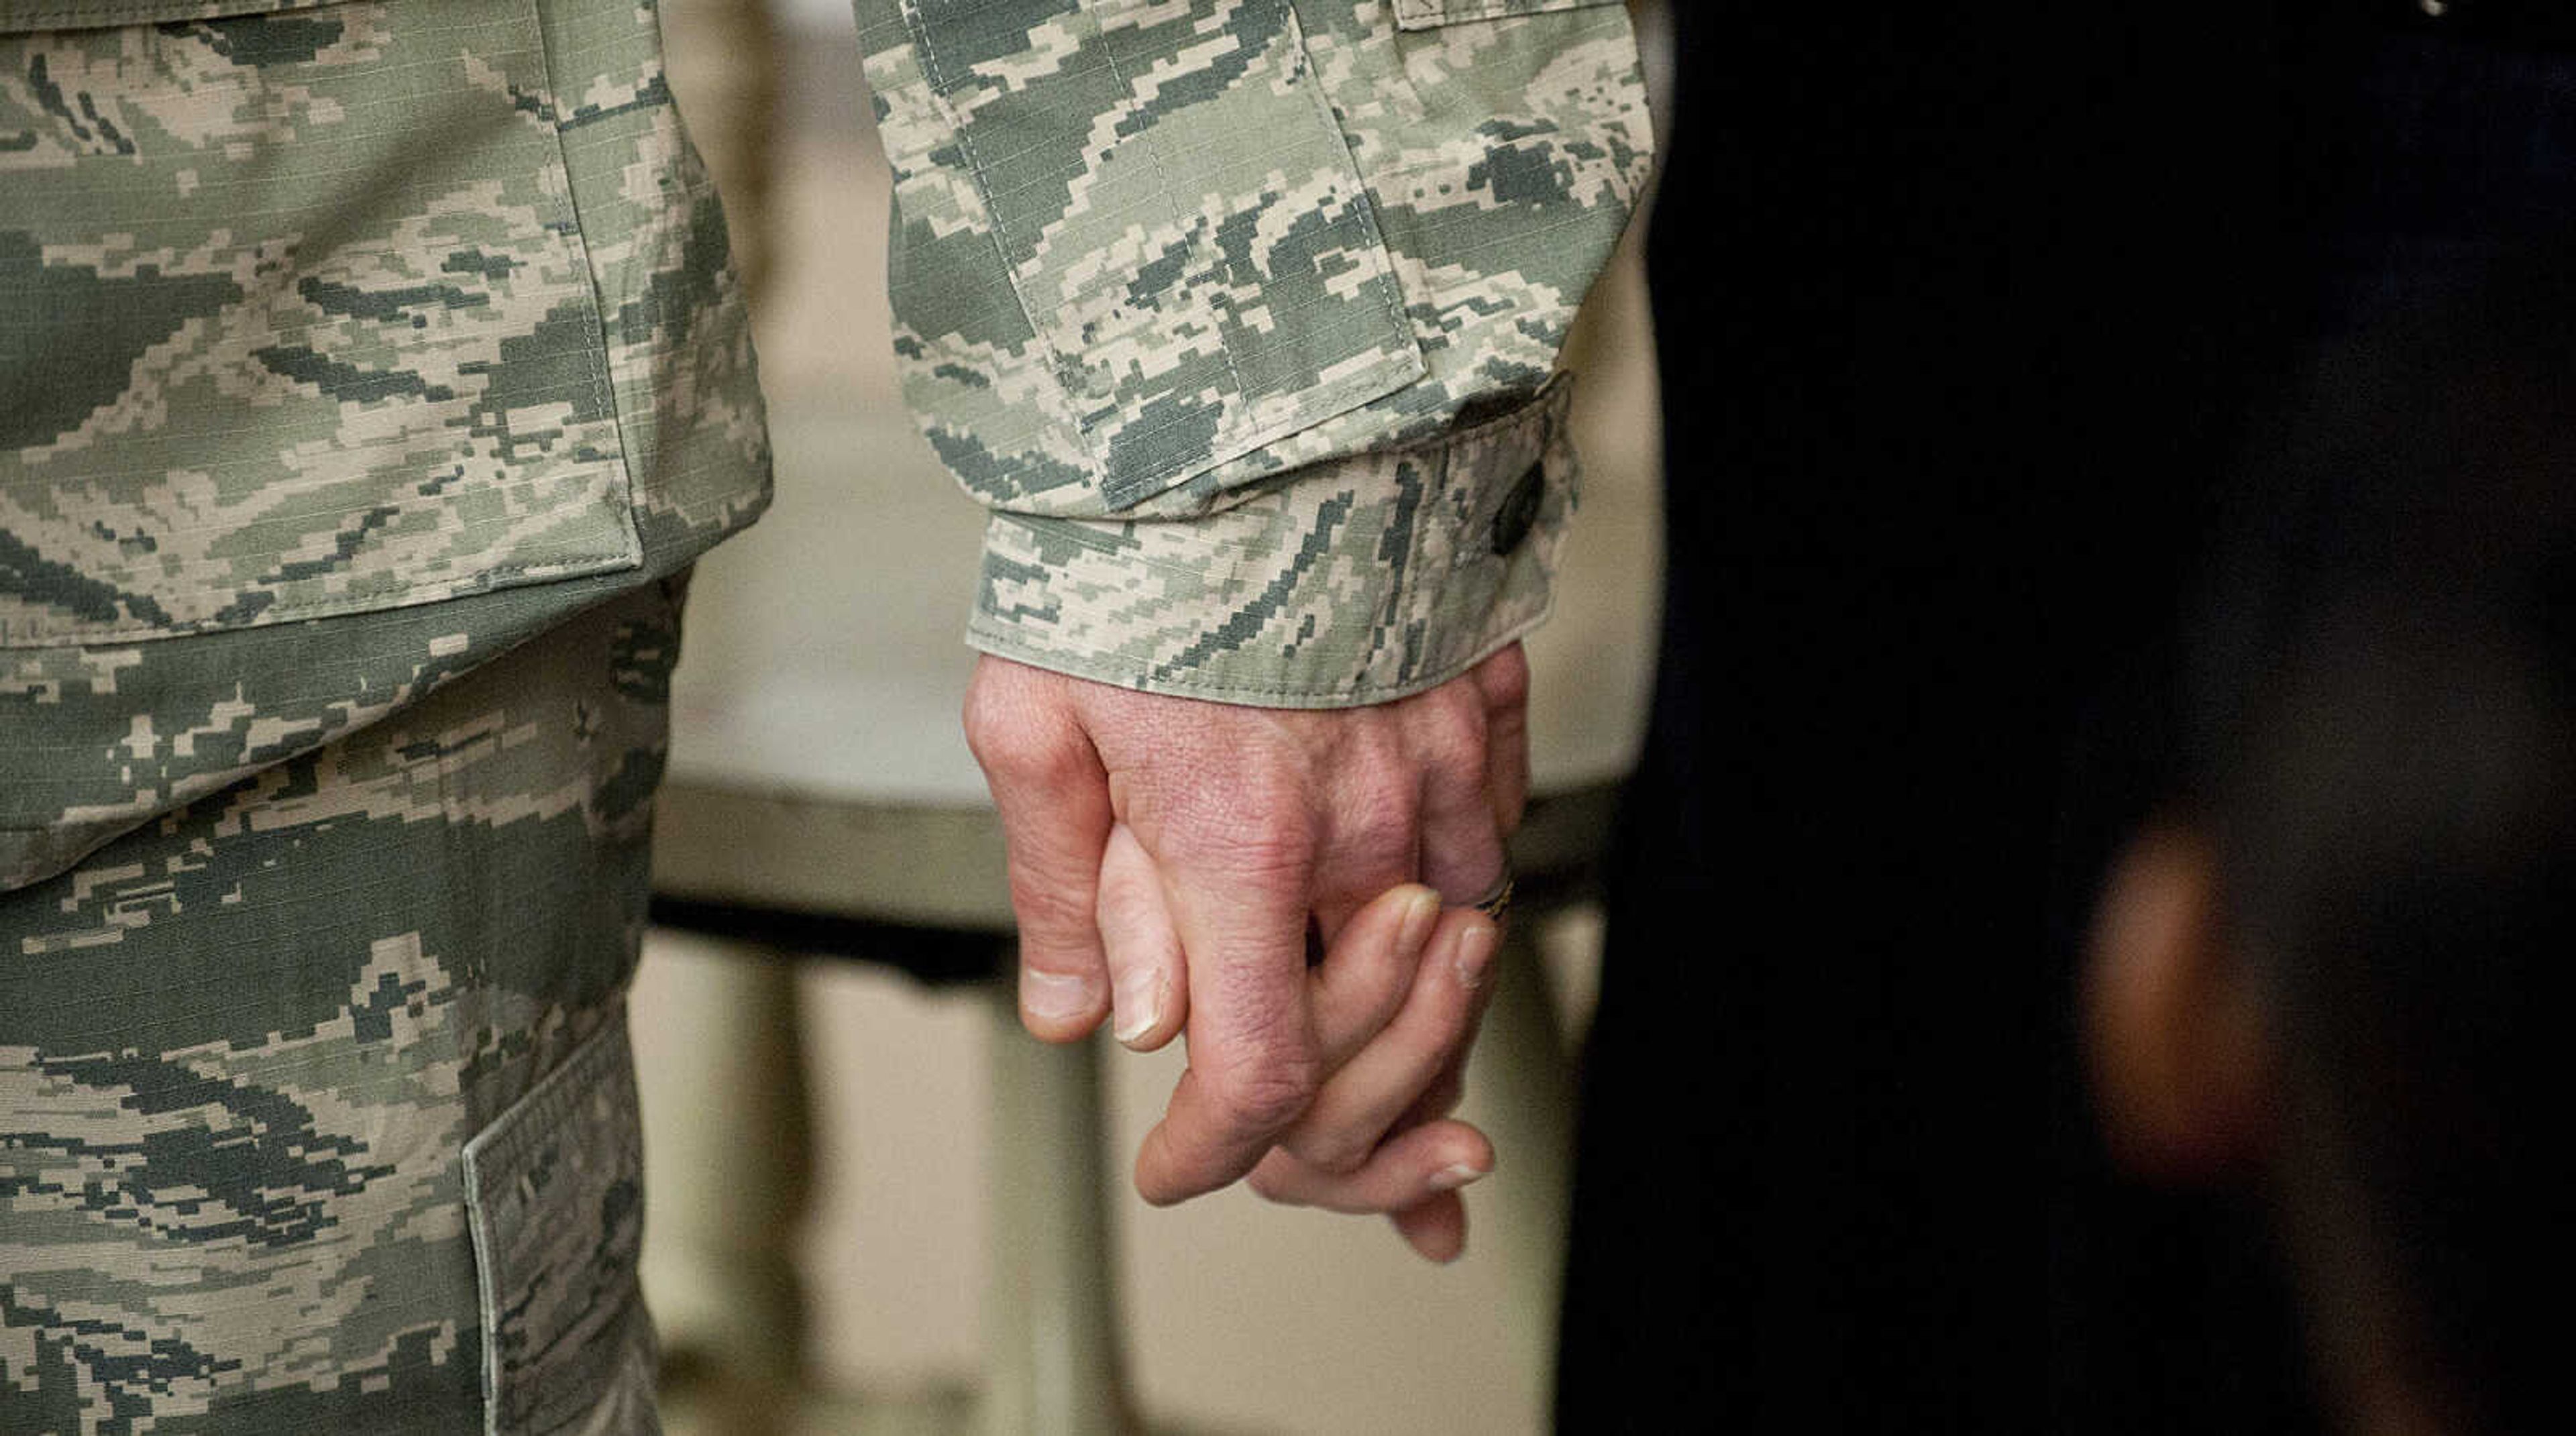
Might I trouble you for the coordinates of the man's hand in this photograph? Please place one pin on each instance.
(1173, 852)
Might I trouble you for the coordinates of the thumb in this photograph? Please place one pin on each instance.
(1148, 978)
(1053, 797)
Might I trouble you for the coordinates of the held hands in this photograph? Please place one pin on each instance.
(1167, 856)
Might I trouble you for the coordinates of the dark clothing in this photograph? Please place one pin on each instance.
(1960, 313)
(1964, 317)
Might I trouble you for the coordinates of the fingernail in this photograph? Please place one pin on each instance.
(1451, 1178)
(1140, 1003)
(1056, 996)
(1421, 911)
(1476, 954)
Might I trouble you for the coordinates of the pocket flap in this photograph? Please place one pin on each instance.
(21, 16)
(554, 1194)
(267, 356)
(1179, 218)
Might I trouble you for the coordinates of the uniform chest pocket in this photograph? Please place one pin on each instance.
(1425, 14)
(295, 319)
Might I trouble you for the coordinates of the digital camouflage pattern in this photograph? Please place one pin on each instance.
(1372, 578)
(368, 371)
(411, 319)
(243, 1047)
(214, 421)
(1173, 280)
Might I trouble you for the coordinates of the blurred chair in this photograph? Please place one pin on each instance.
(821, 799)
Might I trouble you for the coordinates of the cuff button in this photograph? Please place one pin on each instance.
(1519, 511)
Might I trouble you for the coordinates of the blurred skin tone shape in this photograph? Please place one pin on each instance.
(2187, 1082)
(2317, 982)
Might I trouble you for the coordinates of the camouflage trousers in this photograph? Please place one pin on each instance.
(316, 1106)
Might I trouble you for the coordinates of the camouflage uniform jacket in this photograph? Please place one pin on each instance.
(339, 353)
(1242, 316)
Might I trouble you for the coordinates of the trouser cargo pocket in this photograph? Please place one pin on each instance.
(554, 1196)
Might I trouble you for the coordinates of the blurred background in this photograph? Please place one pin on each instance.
(875, 1206)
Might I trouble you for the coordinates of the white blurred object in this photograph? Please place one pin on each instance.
(817, 14)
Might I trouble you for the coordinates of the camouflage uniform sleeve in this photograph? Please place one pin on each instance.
(1243, 316)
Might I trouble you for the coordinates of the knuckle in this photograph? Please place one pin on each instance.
(1457, 731)
(1504, 679)
(1261, 846)
(1384, 799)
(999, 746)
(987, 720)
(1049, 911)
(1372, 746)
(1378, 823)
(1128, 905)
(1049, 758)
(1013, 743)
(1276, 793)
(1334, 1154)
(1265, 1097)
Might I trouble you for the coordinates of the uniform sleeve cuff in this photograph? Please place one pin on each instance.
(1352, 582)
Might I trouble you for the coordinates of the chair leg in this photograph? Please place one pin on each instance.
(1055, 1358)
(1524, 1083)
(728, 1171)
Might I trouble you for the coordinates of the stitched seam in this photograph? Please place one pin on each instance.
(1544, 399)
(481, 580)
(1307, 407)
(1407, 583)
(1416, 583)
(474, 579)
(1443, 11)
(1303, 414)
(1332, 397)
(143, 12)
(1007, 638)
(497, 1153)
(595, 360)
(1362, 197)
(1172, 207)
(931, 65)
(1004, 643)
